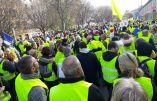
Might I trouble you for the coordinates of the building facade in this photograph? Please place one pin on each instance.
(149, 10)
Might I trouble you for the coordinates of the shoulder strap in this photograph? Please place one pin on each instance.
(144, 61)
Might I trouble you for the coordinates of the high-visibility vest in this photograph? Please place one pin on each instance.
(109, 70)
(22, 48)
(59, 57)
(84, 40)
(95, 45)
(6, 74)
(146, 38)
(150, 64)
(53, 77)
(70, 92)
(130, 49)
(145, 83)
(5, 96)
(97, 38)
(23, 87)
(147, 86)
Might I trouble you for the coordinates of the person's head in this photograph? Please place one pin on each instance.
(112, 46)
(138, 41)
(11, 56)
(72, 68)
(1, 54)
(144, 49)
(67, 51)
(78, 38)
(129, 64)
(28, 65)
(145, 32)
(46, 51)
(103, 37)
(34, 45)
(82, 45)
(115, 38)
(128, 90)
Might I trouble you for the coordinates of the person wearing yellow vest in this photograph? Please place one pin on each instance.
(147, 36)
(105, 40)
(129, 67)
(48, 67)
(144, 52)
(128, 90)
(109, 64)
(28, 86)
(7, 71)
(73, 87)
(129, 44)
(95, 46)
(4, 95)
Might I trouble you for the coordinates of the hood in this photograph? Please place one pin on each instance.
(108, 56)
(44, 61)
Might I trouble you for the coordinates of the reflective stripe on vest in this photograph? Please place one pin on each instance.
(150, 64)
(23, 87)
(6, 74)
(109, 70)
(147, 85)
(70, 92)
(53, 77)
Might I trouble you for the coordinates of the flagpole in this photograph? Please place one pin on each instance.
(14, 34)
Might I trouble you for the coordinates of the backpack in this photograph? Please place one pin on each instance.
(44, 71)
(143, 65)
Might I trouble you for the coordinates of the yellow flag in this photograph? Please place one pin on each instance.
(115, 10)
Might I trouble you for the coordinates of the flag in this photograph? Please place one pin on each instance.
(115, 10)
(7, 38)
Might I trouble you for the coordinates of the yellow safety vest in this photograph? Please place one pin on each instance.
(23, 87)
(84, 40)
(150, 64)
(130, 49)
(59, 57)
(147, 86)
(5, 96)
(95, 45)
(6, 74)
(70, 92)
(53, 77)
(109, 70)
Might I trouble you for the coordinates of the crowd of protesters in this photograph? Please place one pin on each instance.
(75, 65)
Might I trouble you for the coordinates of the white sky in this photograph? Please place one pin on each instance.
(123, 5)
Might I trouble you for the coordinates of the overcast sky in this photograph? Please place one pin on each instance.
(123, 5)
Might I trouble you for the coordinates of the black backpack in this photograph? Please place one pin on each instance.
(144, 67)
(44, 71)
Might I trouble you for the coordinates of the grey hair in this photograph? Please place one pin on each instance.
(130, 65)
(78, 38)
(70, 66)
(128, 90)
(67, 51)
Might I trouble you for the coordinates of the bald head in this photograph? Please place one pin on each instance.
(71, 67)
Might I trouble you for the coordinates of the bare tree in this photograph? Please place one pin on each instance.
(84, 13)
(38, 14)
(64, 9)
(103, 13)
